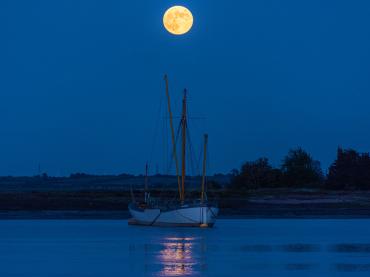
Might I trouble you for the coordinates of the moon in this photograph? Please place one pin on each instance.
(178, 20)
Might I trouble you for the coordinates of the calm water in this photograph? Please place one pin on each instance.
(232, 248)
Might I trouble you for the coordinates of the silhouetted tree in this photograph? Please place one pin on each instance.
(349, 171)
(234, 172)
(79, 175)
(257, 174)
(299, 169)
(213, 185)
(126, 175)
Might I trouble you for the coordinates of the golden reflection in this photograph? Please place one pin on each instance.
(177, 257)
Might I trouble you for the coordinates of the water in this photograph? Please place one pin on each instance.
(233, 248)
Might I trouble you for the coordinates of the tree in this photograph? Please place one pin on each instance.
(257, 174)
(300, 169)
(350, 170)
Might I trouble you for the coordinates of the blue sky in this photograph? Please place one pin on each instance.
(81, 80)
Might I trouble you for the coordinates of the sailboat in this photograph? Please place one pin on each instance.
(182, 212)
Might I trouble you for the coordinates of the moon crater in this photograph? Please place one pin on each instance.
(178, 20)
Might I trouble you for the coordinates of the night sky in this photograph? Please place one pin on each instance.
(81, 80)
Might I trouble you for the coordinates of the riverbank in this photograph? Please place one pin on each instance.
(280, 213)
(273, 203)
(254, 204)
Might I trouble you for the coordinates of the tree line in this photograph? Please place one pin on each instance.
(350, 170)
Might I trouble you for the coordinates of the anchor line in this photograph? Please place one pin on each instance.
(194, 221)
(210, 209)
(155, 219)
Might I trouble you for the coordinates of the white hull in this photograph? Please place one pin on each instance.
(192, 215)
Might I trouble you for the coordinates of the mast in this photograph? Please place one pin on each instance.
(184, 125)
(146, 183)
(173, 136)
(204, 166)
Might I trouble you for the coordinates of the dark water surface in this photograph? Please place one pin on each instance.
(233, 248)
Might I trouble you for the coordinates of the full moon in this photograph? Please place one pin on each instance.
(178, 20)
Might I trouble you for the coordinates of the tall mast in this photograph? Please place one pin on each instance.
(146, 183)
(184, 126)
(173, 136)
(204, 167)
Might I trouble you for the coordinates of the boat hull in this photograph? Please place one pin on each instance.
(184, 216)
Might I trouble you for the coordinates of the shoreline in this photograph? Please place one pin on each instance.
(258, 204)
(124, 215)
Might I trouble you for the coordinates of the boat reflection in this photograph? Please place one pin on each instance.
(177, 257)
